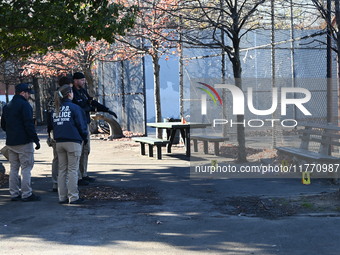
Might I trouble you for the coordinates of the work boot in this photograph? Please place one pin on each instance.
(31, 198)
(63, 202)
(77, 202)
(82, 182)
(89, 179)
(17, 198)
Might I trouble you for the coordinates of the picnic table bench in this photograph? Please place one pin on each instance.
(215, 139)
(183, 128)
(159, 143)
(325, 137)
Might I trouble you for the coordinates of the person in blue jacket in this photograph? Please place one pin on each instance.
(50, 141)
(69, 132)
(88, 104)
(17, 122)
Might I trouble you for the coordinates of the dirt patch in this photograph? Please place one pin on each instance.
(263, 154)
(259, 207)
(118, 194)
(273, 208)
(269, 132)
(326, 202)
(231, 151)
(105, 136)
(3, 180)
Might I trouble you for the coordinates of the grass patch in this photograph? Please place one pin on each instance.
(307, 205)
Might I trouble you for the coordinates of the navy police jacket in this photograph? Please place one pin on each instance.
(69, 125)
(17, 122)
(82, 98)
(86, 102)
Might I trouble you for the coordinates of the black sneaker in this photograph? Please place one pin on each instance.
(89, 179)
(77, 202)
(31, 198)
(17, 198)
(63, 202)
(82, 182)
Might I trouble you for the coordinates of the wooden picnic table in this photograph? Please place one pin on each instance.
(184, 129)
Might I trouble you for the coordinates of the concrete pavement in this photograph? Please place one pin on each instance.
(187, 216)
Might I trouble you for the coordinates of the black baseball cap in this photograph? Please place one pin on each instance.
(24, 87)
(78, 75)
(65, 80)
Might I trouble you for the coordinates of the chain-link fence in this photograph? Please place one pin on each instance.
(121, 88)
(301, 64)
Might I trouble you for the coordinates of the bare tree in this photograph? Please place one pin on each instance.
(149, 37)
(205, 22)
(330, 13)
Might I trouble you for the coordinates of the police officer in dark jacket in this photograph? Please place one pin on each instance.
(88, 104)
(69, 131)
(69, 124)
(84, 100)
(17, 122)
(50, 140)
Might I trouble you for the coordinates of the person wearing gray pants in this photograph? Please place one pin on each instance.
(69, 131)
(17, 122)
(50, 140)
(68, 161)
(88, 104)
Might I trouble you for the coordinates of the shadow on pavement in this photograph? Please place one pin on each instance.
(186, 213)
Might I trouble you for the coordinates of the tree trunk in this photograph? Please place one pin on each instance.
(157, 94)
(122, 91)
(225, 128)
(91, 88)
(181, 83)
(237, 69)
(273, 52)
(36, 88)
(337, 17)
(329, 64)
(6, 92)
(181, 73)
